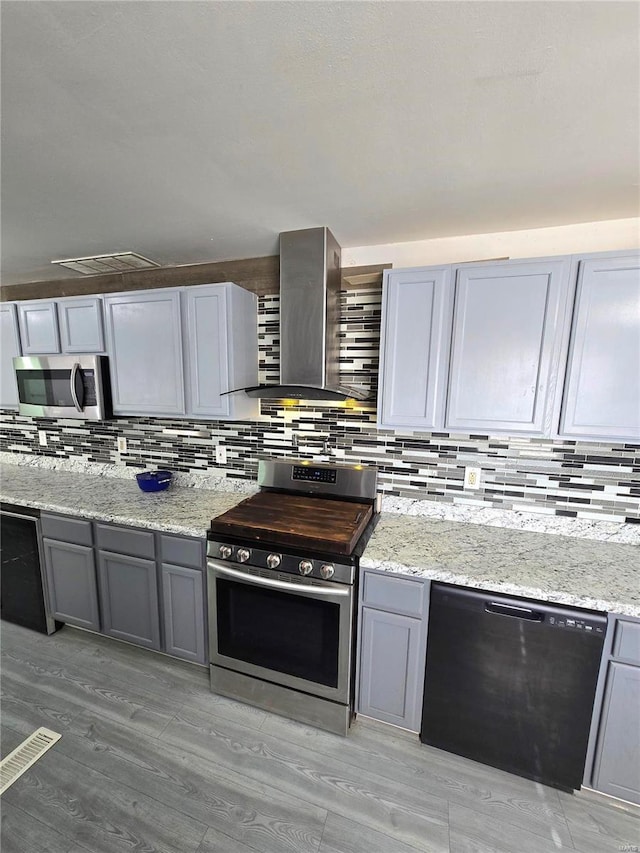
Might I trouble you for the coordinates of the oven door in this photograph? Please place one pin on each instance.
(287, 631)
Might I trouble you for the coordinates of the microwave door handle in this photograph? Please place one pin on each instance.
(77, 389)
(258, 580)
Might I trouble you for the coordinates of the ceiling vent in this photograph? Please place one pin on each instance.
(118, 262)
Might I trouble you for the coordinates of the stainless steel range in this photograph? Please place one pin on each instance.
(282, 572)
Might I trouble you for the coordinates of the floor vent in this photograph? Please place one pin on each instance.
(21, 759)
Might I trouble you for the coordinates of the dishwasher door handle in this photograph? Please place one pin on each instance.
(512, 610)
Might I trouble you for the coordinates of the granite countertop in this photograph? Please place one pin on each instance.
(601, 575)
(187, 511)
(582, 572)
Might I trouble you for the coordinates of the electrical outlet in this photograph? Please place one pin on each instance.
(122, 444)
(221, 454)
(42, 437)
(472, 478)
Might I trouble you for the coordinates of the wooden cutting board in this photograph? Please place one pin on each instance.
(296, 521)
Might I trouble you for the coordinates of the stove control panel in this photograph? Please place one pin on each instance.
(256, 560)
(311, 474)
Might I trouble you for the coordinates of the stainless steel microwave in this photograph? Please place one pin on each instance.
(63, 386)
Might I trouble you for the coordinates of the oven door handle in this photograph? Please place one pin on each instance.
(258, 580)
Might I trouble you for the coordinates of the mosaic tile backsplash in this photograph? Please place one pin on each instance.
(564, 478)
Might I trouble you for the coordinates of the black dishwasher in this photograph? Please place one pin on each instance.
(22, 592)
(511, 682)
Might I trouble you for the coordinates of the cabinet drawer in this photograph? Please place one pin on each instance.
(124, 540)
(394, 594)
(626, 641)
(181, 551)
(65, 529)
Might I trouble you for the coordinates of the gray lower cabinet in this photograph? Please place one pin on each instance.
(184, 618)
(127, 582)
(71, 579)
(183, 612)
(391, 661)
(70, 568)
(613, 760)
(129, 598)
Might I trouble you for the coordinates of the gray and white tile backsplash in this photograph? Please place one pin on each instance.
(553, 477)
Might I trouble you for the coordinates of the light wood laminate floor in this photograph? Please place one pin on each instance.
(150, 760)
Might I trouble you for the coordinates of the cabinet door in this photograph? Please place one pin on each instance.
(206, 337)
(10, 349)
(506, 346)
(416, 317)
(39, 328)
(81, 325)
(71, 578)
(391, 678)
(129, 598)
(144, 343)
(617, 767)
(183, 605)
(602, 390)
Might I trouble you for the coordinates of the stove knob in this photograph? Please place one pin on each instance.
(273, 561)
(243, 554)
(327, 571)
(225, 551)
(305, 567)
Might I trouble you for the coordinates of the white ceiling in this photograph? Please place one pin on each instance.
(197, 131)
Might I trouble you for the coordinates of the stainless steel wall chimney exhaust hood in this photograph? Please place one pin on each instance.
(310, 270)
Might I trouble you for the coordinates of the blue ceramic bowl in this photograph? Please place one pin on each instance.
(154, 481)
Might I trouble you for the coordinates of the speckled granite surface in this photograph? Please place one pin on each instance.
(187, 511)
(598, 575)
(582, 528)
(603, 575)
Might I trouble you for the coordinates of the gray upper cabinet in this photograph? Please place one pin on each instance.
(129, 597)
(10, 349)
(39, 327)
(81, 325)
(505, 351)
(221, 345)
(144, 343)
(602, 390)
(414, 347)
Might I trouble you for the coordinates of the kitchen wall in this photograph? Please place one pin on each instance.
(579, 238)
(565, 478)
